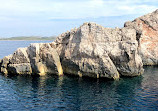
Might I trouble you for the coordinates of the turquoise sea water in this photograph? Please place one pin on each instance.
(53, 93)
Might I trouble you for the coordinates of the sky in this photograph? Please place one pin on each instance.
(53, 17)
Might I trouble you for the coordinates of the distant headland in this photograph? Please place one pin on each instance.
(29, 38)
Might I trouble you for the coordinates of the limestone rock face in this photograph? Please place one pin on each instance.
(37, 59)
(93, 50)
(147, 35)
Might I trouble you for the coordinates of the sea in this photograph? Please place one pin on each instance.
(69, 93)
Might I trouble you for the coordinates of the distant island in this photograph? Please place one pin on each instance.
(29, 38)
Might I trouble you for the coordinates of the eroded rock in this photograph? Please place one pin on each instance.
(5, 63)
(93, 50)
(147, 35)
(37, 59)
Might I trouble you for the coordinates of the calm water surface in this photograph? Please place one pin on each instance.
(52, 93)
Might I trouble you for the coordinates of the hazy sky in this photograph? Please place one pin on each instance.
(52, 17)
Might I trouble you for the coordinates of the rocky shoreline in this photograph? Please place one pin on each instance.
(91, 50)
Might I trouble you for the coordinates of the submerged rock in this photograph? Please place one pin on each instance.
(91, 50)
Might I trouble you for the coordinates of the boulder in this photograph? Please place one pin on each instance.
(21, 68)
(4, 64)
(37, 59)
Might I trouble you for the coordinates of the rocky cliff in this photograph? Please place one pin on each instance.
(147, 36)
(91, 50)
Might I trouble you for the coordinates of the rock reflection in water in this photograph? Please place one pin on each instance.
(71, 93)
